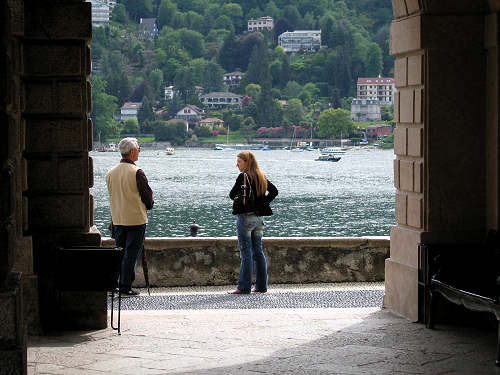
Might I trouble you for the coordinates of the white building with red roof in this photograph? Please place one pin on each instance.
(379, 88)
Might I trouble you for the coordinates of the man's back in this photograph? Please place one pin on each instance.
(126, 205)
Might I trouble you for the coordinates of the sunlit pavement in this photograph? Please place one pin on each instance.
(292, 329)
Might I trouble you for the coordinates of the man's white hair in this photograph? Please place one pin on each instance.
(127, 144)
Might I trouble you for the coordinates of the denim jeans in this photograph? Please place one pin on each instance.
(250, 230)
(131, 239)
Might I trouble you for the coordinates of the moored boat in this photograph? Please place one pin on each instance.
(328, 157)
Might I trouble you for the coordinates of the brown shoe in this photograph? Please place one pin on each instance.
(237, 291)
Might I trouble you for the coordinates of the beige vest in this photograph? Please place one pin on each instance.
(124, 198)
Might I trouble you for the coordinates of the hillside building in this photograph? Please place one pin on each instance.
(190, 113)
(302, 40)
(219, 100)
(232, 80)
(259, 24)
(129, 110)
(100, 12)
(365, 110)
(377, 131)
(148, 28)
(380, 88)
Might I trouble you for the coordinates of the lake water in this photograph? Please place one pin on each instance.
(350, 198)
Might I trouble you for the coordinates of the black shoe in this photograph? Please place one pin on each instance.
(130, 292)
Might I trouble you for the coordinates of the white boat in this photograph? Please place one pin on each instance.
(328, 157)
(170, 151)
(111, 147)
(333, 150)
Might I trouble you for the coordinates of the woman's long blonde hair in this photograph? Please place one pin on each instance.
(254, 171)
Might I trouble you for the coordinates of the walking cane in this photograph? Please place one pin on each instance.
(145, 268)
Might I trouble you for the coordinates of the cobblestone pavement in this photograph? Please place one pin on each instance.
(282, 338)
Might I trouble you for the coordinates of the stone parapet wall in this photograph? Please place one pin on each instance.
(202, 261)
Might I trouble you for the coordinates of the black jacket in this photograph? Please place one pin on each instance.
(261, 207)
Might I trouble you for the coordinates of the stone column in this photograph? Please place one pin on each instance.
(12, 183)
(56, 99)
(439, 171)
(492, 120)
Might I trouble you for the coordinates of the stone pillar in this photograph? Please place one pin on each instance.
(439, 171)
(12, 183)
(56, 98)
(492, 121)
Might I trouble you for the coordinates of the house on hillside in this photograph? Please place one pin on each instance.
(148, 28)
(259, 24)
(220, 100)
(100, 12)
(190, 113)
(377, 131)
(365, 110)
(129, 110)
(232, 80)
(300, 40)
(378, 88)
(169, 92)
(212, 122)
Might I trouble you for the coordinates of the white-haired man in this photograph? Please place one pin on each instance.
(129, 198)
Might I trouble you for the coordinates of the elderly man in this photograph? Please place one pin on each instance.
(129, 198)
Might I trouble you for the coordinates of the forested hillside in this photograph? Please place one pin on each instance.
(200, 40)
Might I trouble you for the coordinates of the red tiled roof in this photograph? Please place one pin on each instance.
(379, 80)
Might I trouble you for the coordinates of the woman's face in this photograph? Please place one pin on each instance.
(241, 164)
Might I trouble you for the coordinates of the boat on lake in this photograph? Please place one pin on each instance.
(236, 146)
(111, 147)
(328, 157)
(333, 150)
(170, 151)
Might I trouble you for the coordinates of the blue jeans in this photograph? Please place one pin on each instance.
(250, 230)
(131, 239)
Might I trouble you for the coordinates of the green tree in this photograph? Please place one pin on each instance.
(138, 8)
(291, 90)
(170, 132)
(224, 22)
(183, 83)
(334, 123)
(248, 129)
(374, 61)
(156, 81)
(258, 67)
(253, 90)
(387, 112)
(166, 13)
(145, 113)
(130, 127)
(119, 14)
(119, 86)
(294, 114)
(235, 14)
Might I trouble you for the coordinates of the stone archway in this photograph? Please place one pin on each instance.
(446, 140)
(447, 78)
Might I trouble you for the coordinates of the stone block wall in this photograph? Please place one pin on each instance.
(216, 261)
(439, 109)
(14, 244)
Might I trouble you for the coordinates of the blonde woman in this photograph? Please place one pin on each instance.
(250, 204)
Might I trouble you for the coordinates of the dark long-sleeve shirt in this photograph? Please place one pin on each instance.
(261, 202)
(143, 186)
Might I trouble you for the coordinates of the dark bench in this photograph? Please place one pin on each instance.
(464, 274)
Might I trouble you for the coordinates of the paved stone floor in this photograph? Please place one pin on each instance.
(292, 329)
